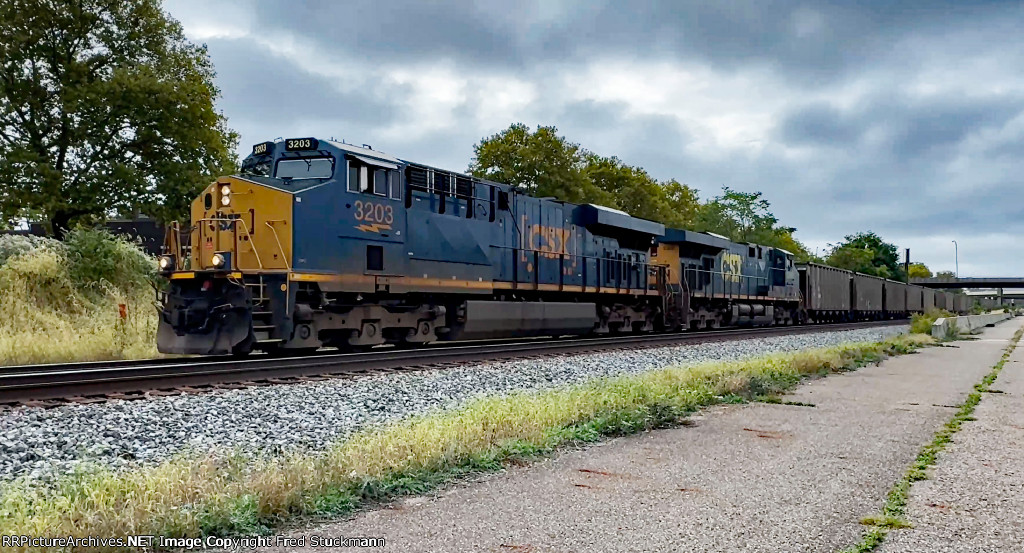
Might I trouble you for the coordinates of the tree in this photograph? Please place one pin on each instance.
(945, 275)
(856, 259)
(541, 163)
(104, 107)
(919, 270)
(747, 217)
(866, 252)
(742, 216)
(633, 190)
(683, 201)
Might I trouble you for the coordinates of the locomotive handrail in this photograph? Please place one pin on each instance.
(172, 239)
(641, 268)
(726, 289)
(279, 246)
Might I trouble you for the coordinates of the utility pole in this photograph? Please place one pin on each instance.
(906, 265)
(956, 258)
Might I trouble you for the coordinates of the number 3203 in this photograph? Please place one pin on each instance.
(374, 213)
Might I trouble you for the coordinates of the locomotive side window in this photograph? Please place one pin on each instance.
(395, 179)
(380, 182)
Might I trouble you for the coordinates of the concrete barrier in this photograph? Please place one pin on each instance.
(967, 324)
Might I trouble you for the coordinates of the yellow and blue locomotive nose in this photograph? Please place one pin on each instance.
(249, 222)
(239, 227)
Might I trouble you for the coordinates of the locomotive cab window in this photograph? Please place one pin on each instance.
(305, 168)
(353, 177)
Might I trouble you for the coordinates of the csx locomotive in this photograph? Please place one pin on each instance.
(322, 243)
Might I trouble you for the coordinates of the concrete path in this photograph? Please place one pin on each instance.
(974, 497)
(755, 477)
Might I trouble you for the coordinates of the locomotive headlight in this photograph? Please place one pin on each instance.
(225, 195)
(225, 200)
(166, 263)
(217, 260)
(225, 190)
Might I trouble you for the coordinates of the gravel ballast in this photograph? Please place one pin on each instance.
(39, 444)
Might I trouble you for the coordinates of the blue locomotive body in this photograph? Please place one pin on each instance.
(367, 249)
(727, 283)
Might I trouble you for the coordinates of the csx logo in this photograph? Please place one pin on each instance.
(732, 267)
(552, 241)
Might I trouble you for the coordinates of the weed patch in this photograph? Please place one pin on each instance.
(922, 322)
(61, 299)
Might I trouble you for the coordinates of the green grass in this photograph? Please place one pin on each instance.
(189, 497)
(894, 511)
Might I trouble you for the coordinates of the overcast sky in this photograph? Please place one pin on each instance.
(908, 120)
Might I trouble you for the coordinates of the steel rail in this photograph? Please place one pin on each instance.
(98, 379)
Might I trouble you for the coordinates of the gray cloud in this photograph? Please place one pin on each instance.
(906, 118)
(262, 85)
(814, 42)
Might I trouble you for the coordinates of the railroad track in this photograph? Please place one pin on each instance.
(50, 385)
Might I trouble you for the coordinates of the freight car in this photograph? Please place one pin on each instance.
(915, 299)
(929, 298)
(894, 299)
(826, 292)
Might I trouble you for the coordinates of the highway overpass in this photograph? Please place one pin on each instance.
(970, 282)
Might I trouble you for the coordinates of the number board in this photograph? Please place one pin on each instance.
(263, 148)
(299, 144)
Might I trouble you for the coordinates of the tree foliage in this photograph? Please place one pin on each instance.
(919, 270)
(866, 252)
(541, 163)
(104, 107)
